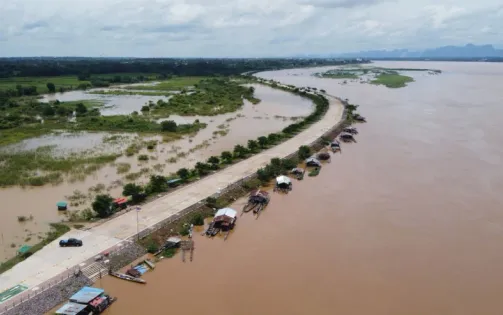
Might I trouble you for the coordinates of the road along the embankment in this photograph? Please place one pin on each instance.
(52, 261)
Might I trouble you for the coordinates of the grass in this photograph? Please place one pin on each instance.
(173, 84)
(123, 168)
(56, 231)
(392, 80)
(67, 82)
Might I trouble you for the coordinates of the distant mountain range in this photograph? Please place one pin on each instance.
(445, 52)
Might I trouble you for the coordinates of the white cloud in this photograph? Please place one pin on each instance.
(241, 27)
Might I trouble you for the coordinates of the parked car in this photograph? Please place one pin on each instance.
(70, 242)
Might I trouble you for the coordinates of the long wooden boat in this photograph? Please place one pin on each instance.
(126, 277)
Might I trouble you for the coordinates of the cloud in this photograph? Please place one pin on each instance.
(34, 25)
(330, 4)
(245, 28)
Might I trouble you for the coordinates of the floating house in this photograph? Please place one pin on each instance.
(283, 183)
(85, 302)
(323, 156)
(224, 220)
(313, 162)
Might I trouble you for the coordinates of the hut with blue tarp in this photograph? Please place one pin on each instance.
(62, 205)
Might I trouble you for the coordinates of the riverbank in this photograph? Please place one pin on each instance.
(113, 232)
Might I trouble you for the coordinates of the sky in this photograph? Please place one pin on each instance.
(241, 28)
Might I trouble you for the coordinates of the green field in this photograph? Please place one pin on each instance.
(392, 80)
(169, 85)
(67, 82)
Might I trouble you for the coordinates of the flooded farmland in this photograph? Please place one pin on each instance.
(405, 221)
(276, 110)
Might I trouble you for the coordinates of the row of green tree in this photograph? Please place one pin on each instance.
(157, 184)
(85, 67)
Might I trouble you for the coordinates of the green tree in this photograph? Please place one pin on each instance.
(102, 205)
(272, 138)
(48, 111)
(226, 157)
(80, 108)
(169, 125)
(145, 108)
(183, 173)
(157, 184)
(202, 168)
(62, 111)
(253, 145)
(240, 151)
(131, 189)
(214, 160)
(304, 152)
(263, 142)
(51, 87)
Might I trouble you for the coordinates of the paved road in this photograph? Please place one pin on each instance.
(52, 260)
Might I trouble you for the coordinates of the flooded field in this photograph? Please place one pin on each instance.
(406, 221)
(276, 110)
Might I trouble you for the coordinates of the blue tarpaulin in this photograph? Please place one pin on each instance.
(141, 268)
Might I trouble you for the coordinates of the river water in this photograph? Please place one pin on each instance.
(276, 110)
(408, 220)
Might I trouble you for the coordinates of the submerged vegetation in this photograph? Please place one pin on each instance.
(210, 97)
(57, 229)
(392, 80)
(39, 167)
(389, 77)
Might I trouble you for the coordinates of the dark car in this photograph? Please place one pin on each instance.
(70, 242)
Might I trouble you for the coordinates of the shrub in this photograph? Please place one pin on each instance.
(183, 173)
(169, 125)
(304, 152)
(197, 219)
(227, 157)
(102, 205)
(252, 183)
(142, 157)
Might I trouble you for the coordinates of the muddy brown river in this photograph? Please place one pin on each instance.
(406, 221)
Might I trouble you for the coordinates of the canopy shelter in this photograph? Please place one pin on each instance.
(174, 182)
(283, 181)
(121, 200)
(86, 295)
(313, 162)
(72, 309)
(24, 249)
(62, 205)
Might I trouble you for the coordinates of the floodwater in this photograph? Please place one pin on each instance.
(112, 104)
(408, 220)
(272, 114)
